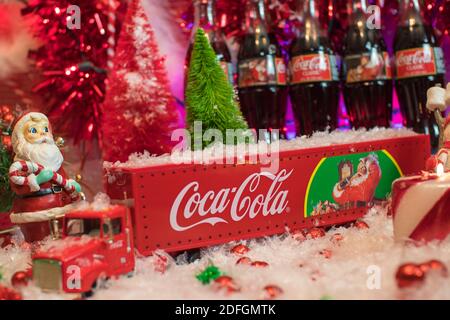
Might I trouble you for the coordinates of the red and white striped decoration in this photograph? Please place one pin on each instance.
(421, 206)
(20, 168)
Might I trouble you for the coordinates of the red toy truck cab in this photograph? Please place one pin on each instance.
(94, 245)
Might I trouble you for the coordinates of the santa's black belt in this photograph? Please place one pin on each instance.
(41, 192)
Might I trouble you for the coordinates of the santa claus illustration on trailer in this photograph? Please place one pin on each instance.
(43, 194)
(361, 186)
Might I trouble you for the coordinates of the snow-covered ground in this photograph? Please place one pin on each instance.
(363, 257)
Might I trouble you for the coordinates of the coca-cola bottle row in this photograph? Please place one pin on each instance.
(309, 73)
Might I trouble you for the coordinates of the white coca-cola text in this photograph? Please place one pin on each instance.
(316, 63)
(248, 200)
(422, 56)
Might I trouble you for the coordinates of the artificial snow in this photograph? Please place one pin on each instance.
(100, 202)
(57, 246)
(318, 139)
(296, 267)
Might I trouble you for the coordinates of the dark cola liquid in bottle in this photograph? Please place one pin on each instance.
(205, 18)
(262, 77)
(367, 72)
(314, 83)
(419, 66)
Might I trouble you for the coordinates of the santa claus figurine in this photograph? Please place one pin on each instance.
(438, 99)
(43, 193)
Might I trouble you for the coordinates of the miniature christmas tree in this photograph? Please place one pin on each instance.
(139, 112)
(209, 96)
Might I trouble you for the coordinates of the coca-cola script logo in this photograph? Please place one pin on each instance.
(316, 62)
(247, 200)
(413, 57)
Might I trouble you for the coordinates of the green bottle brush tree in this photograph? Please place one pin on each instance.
(210, 97)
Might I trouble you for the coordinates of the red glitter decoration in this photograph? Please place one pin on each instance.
(434, 265)
(315, 233)
(408, 275)
(9, 294)
(244, 260)
(72, 62)
(227, 283)
(139, 112)
(230, 16)
(272, 291)
(240, 249)
(21, 278)
(259, 264)
(361, 225)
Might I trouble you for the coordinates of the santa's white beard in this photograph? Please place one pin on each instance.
(46, 154)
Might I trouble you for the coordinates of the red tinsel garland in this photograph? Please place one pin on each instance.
(72, 62)
(333, 15)
(229, 13)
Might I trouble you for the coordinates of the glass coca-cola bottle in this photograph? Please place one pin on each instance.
(205, 18)
(314, 84)
(367, 72)
(262, 77)
(419, 66)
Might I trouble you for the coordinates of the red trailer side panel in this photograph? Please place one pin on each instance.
(178, 207)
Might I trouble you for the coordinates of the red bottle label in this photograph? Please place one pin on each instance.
(267, 70)
(368, 67)
(312, 68)
(281, 71)
(415, 62)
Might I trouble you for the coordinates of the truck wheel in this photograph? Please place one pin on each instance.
(188, 256)
(130, 274)
(88, 294)
(99, 283)
(193, 255)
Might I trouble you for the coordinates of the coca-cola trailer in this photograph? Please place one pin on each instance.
(176, 207)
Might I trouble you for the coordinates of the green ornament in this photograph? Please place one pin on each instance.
(326, 297)
(209, 274)
(210, 98)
